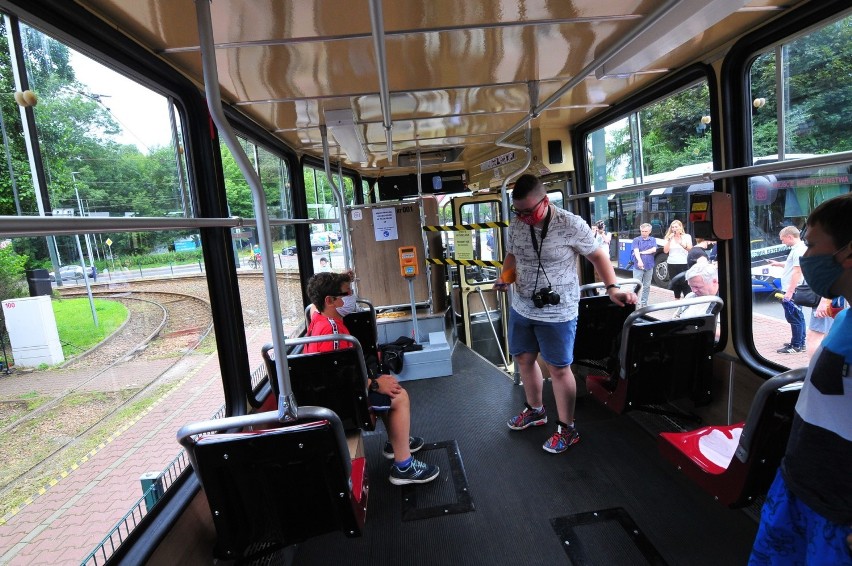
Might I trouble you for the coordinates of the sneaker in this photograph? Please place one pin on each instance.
(790, 349)
(417, 472)
(562, 440)
(415, 443)
(528, 417)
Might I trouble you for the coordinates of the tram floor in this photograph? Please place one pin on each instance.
(530, 506)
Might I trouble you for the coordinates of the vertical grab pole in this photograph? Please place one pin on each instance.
(338, 194)
(287, 409)
(413, 309)
(491, 324)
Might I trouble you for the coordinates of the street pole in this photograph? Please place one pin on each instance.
(80, 206)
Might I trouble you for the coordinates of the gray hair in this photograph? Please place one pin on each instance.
(645, 226)
(707, 271)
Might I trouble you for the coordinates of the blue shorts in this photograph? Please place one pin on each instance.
(554, 340)
(790, 532)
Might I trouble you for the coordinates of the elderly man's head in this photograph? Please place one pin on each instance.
(703, 279)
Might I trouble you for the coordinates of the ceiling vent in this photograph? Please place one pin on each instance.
(429, 157)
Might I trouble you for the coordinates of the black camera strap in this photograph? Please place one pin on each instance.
(537, 247)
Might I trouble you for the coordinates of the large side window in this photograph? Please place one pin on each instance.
(124, 316)
(666, 139)
(799, 109)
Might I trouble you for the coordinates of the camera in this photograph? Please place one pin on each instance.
(545, 296)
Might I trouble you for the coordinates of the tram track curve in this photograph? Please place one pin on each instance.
(138, 341)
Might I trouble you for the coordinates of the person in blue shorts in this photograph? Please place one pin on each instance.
(545, 243)
(807, 516)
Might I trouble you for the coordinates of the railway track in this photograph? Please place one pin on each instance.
(161, 324)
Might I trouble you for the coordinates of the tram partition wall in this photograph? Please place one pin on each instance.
(376, 260)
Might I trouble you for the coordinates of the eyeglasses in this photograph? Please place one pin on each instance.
(527, 211)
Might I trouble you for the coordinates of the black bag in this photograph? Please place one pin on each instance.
(804, 296)
(392, 354)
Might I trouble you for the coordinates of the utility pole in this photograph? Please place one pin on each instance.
(80, 206)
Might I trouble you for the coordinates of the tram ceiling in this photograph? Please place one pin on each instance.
(455, 71)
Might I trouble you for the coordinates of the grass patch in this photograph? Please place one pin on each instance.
(77, 330)
(54, 428)
(15, 408)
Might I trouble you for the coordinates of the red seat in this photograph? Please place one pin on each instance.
(736, 470)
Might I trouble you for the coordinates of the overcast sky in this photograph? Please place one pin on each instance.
(142, 114)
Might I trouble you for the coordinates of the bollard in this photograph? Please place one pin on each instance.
(152, 488)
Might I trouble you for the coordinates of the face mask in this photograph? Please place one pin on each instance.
(538, 215)
(821, 271)
(349, 305)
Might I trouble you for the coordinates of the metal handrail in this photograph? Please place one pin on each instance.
(841, 158)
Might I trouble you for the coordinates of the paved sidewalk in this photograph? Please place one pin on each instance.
(65, 523)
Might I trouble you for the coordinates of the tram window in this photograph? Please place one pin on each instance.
(274, 175)
(813, 109)
(666, 139)
(484, 242)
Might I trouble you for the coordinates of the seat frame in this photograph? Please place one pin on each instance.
(758, 453)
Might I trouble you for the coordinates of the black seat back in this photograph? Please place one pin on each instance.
(599, 325)
(665, 360)
(281, 484)
(336, 380)
(362, 325)
(766, 432)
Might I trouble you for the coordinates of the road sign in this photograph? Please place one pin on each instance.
(109, 242)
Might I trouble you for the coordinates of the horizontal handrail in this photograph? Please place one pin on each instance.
(776, 166)
(26, 226)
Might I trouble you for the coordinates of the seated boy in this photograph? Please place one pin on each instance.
(387, 397)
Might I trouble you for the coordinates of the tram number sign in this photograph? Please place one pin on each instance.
(9, 304)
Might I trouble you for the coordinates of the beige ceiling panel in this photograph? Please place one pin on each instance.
(425, 104)
(156, 23)
(236, 21)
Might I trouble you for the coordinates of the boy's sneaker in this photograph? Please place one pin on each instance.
(562, 440)
(528, 417)
(415, 443)
(790, 349)
(417, 472)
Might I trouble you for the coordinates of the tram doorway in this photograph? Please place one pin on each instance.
(479, 310)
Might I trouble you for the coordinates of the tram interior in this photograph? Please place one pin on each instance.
(414, 119)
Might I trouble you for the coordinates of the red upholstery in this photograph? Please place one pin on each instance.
(360, 488)
(689, 445)
(600, 388)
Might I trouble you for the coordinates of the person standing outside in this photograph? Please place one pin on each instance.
(544, 245)
(678, 243)
(807, 516)
(644, 248)
(790, 279)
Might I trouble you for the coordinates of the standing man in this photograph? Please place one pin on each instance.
(644, 248)
(790, 279)
(544, 245)
(807, 516)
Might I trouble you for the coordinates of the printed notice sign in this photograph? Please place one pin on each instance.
(384, 222)
(356, 215)
(463, 242)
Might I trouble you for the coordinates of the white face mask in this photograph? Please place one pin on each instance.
(349, 305)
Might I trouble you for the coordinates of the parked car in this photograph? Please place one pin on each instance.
(320, 241)
(71, 273)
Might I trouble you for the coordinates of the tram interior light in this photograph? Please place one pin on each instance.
(341, 124)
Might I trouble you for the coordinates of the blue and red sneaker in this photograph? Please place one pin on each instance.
(528, 417)
(562, 439)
